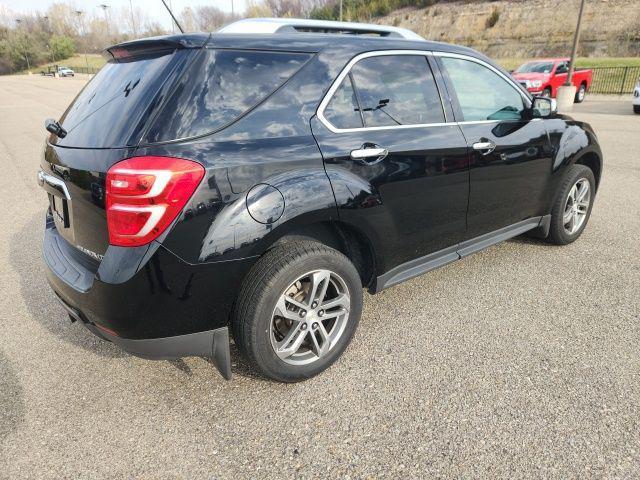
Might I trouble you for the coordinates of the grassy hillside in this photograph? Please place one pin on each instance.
(511, 63)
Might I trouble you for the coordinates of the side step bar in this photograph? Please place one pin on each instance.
(443, 257)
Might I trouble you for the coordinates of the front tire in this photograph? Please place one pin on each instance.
(572, 206)
(636, 109)
(297, 310)
(547, 92)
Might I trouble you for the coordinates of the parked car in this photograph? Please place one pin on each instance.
(636, 97)
(543, 77)
(65, 72)
(257, 182)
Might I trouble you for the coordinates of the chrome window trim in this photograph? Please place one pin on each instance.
(378, 53)
(345, 71)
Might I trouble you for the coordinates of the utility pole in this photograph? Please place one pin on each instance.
(26, 56)
(340, 10)
(82, 32)
(133, 21)
(232, 11)
(104, 7)
(574, 50)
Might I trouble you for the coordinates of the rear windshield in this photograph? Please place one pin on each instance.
(220, 87)
(112, 109)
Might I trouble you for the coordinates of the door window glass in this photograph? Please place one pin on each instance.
(397, 90)
(482, 93)
(342, 110)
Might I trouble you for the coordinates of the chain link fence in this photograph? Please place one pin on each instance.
(614, 80)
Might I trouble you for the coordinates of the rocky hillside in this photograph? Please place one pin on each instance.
(528, 28)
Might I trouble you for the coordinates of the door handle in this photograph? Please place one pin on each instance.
(370, 155)
(485, 148)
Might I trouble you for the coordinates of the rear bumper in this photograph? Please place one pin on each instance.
(211, 343)
(160, 307)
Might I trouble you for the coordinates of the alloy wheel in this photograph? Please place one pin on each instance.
(581, 93)
(577, 206)
(310, 317)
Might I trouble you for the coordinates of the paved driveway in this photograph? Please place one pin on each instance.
(522, 360)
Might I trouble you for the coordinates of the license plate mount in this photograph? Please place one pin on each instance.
(60, 210)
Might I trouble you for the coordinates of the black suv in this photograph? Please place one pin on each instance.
(258, 181)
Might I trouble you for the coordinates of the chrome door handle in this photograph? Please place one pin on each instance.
(370, 155)
(485, 148)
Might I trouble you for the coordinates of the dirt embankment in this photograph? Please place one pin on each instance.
(528, 28)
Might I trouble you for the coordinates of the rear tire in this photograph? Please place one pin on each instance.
(279, 322)
(636, 109)
(572, 207)
(581, 93)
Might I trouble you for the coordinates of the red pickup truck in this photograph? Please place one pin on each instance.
(543, 77)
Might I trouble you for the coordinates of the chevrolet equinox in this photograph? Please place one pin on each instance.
(255, 180)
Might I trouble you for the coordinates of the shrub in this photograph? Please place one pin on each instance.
(62, 47)
(493, 18)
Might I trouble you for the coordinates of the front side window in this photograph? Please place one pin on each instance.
(482, 93)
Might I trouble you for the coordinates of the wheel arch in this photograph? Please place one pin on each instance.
(344, 237)
(592, 161)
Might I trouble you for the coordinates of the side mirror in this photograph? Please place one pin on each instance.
(544, 107)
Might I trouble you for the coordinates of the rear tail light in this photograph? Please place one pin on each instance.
(145, 194)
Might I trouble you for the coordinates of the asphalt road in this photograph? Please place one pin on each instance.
(520, 361)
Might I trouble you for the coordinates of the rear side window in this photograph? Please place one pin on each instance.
(220, 87)
(397, 90)
(342, 111)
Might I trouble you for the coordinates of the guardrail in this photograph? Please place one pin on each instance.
(614, 80)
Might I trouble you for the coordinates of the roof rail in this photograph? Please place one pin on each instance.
(292, 25)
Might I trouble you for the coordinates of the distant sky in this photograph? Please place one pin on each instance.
(153, 8)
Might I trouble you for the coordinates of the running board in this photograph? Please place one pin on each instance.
(438, 259)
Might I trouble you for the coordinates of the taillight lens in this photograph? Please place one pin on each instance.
(145, 194)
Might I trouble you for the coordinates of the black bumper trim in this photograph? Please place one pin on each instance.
(211, 343)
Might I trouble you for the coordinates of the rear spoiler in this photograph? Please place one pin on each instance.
(127, 51)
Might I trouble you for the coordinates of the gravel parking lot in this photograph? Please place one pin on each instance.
(521, 361)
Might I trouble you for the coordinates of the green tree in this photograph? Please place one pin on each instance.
(62, 47)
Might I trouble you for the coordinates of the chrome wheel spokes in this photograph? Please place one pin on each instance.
(577, 206)
(310, 317)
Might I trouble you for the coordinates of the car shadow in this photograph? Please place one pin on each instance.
(26, 259)
(11, 401)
